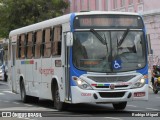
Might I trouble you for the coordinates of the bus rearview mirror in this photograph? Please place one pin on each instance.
(69, 41)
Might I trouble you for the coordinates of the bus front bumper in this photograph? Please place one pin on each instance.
(112, 96)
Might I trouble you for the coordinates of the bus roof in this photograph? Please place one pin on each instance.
(61, 20)
(105, 12)
(41, 25)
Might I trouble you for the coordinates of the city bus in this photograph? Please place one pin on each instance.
(85, 57)
(3, 65)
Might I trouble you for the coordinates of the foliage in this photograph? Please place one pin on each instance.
(19, 13)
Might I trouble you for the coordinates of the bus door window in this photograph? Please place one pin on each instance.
(56, 50)
(18, 48)
(29, 46)
(38, 42)
(34, 43)
(22, 46)
(46, 43)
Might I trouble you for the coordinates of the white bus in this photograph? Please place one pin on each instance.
(3, 65)
(85, 57)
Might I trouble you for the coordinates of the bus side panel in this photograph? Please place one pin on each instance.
(17, 75)
(37, 76)
(22, 72)
(29, 77)
(46, 71)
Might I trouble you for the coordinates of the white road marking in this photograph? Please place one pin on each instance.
(113, 118)
(16, 103)
(152, 109)
(132, 110)
(28, 105)
(1, 93)
(27, 118)
(131, 105)
(26, 109)
(7, 91)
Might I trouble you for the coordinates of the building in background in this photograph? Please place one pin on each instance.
(150, 10)
(68, 9)
(114, 5)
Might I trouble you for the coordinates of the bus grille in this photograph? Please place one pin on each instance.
(112, 79)
(116, 86)
(111, 94)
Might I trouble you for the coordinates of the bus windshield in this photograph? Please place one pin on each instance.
(114, 51)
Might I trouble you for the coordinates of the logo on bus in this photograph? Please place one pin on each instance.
(112, 86)
(47, 71)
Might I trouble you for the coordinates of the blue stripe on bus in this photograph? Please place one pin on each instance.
(71, 21)
(106, 84)
(22, 62)
(144, 71)
(74, 71)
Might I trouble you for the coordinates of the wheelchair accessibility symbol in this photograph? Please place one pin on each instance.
(116, 64)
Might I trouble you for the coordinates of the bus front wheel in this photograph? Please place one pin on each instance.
(119, 106)
(57, 103)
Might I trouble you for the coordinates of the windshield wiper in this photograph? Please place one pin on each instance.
(123, 37)
(98, 36)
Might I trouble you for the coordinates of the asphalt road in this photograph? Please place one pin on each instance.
(10, 102)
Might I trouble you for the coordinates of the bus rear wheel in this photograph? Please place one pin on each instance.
(24, 97)
(57, 103)
(119, 106)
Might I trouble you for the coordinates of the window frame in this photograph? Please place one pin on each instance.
(22, 56)
(29, 45)
(55, 42)
(44, 42)
(35, 44)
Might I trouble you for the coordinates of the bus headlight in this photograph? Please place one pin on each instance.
(140, 83)
(81, 83)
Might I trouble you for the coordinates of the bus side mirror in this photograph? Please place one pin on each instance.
(69, 41)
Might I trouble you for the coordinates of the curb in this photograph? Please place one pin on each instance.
(4, 83)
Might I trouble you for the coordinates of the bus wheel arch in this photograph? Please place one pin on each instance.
(24, 97)
(56, 96)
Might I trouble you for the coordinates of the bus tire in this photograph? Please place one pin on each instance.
(24, 97)
(5, 77)
(155, 91)
(33, 99)
(119, 106)
(56, 98)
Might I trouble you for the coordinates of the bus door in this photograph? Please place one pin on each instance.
(66, 69)
(13, 65)
(57, 60)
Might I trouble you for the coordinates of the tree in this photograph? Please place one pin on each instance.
(19, 13)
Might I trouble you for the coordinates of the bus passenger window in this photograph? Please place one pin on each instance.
(38, 44)
(22, 46)
(29, 45)
(47, 43)
(56, 50)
